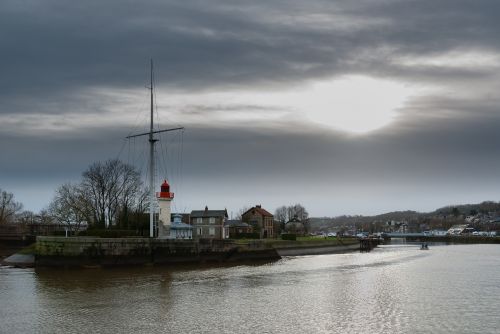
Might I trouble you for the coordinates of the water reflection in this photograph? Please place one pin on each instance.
(394, 289)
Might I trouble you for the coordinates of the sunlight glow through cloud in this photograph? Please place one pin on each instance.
(355, 104)
(352, 104)
(453, 59)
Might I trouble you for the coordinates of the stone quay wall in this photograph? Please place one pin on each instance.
(93, 251)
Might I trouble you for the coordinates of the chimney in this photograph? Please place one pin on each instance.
(206, 208)
(259, 206)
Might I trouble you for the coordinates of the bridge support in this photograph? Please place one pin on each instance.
(367, 244)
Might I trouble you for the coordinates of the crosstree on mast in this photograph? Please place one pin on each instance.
(152, 142)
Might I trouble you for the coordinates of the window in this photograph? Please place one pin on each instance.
(199, 220)
(212, 220)
(200, 231)
(211, 231)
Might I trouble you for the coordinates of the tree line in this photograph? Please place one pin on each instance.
(9, 207)
(284, 214)
(110, 193)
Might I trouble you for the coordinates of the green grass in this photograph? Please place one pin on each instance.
(30, 250)
(307, 240)
(315, 238)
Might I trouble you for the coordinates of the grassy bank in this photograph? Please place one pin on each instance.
(300, 242)
(30, 250)
(459, 239)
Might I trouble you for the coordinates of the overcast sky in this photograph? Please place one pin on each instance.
(348, 107)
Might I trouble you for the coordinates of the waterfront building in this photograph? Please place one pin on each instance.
(164, 216)
(261, 220)
(460, 229)
(237, 228)
(180, 230)
(438, 233)
(209, 224)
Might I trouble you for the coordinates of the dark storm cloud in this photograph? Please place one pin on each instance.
(205, 110)
(54, 56)
(436, 162)
(53, 48)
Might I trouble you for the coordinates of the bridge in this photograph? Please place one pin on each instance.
(28, 232)
(407, 235)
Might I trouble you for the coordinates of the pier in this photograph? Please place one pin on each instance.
(367, 244)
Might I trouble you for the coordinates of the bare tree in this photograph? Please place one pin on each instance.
(125, 188)
(240, 212)
(25, 217)
(71, 206)
(300, 211)
(111, 187)
(45, 217)
(136, 218)
(285, 213)
(8, 207)
(281, 214)
(141, 203)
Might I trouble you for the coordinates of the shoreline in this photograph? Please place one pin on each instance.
(91, 252)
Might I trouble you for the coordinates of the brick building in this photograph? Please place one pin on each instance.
(261, 220)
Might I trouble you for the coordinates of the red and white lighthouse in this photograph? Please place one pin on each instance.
(164, 198)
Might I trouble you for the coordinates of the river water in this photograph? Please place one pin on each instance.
(393, 289)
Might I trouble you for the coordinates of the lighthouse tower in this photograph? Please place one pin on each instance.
(164, 199)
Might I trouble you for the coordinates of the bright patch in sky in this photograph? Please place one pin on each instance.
(455, 59)
(355, 104)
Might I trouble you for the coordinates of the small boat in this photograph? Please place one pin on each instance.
(424, 247)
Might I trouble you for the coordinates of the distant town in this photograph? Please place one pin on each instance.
(119, 208)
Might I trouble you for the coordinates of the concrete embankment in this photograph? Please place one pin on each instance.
(457, 239)
(109, 252)
(291, 250)
(9, 247)
(91, 251)
(20, 260)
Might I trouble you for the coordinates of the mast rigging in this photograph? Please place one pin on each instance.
(152, 142)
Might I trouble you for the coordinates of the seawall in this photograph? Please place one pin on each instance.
(315, 249)
(92, 251)
(111, 252)
(457, 239)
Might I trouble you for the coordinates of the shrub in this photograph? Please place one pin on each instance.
(109, 233)
(289, 236)
(247, 236)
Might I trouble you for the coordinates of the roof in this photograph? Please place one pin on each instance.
(258, 209)
(181, 226)
(459, 227)
(236, 223)
(208, 213)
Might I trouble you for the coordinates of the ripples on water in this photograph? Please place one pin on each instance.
(393, 289)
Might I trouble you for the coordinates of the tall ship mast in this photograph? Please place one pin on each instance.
(152, 141)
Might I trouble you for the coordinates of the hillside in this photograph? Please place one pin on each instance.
(487, 207)
(469, 209)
